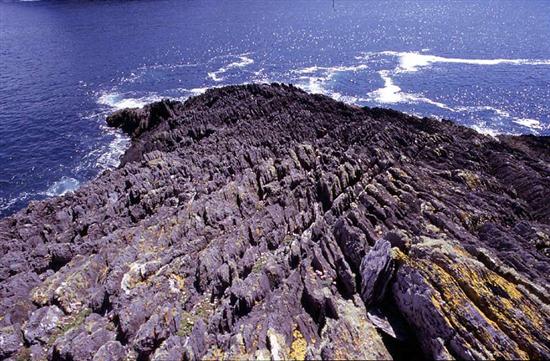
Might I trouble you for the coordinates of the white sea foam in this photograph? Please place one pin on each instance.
(413, 61)
(529, 123)
(198, 91)
(62, 186)
(110, 155)
(119, 101)
(330, 69)
(349, 99)
(261, 77)
(5, 203)
(483, 108)
(243, 61)
(314, 80)
(483, 129)
(391, 93)
(312, 84)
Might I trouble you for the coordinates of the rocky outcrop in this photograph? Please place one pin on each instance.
(263, 222)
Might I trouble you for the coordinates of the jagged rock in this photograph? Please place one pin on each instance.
(259, 221)
(42, 324)
(10, 341)
(377, 269)
(464, 310)
(82, 340)
(111, 351)
(170, 349)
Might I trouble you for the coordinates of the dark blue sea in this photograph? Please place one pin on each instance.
(64, 65)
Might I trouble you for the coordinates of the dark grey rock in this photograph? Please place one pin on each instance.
(377, 269)
(259, 221)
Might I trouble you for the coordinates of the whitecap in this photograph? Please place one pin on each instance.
(391, 93)
(6, 204)
(483, 108)
(413, 61)
(330, 69)
(243, 61)
(529, 123)
(349, 99)
(314, 79)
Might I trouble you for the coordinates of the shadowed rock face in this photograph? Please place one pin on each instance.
(262, 222)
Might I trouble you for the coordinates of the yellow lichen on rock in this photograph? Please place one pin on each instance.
(298, 346)
(470, 178)
(475, 301)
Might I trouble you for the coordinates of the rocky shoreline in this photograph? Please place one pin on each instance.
(260, 221)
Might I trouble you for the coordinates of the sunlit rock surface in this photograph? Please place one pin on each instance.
(262, 222)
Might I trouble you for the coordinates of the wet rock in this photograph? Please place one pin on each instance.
(260, 221)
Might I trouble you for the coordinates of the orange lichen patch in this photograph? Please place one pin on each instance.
(298, 346)
(134, 278)
(70, 289)
(238, 349)
(41, 294)
(187, 321)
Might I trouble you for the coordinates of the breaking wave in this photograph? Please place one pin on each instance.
(117, 101)
(62, 186)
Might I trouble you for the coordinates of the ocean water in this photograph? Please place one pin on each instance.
(64, 65)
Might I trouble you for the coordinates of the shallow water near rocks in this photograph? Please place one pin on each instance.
(65, 65)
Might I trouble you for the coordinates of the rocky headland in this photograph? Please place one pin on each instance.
(262, 222)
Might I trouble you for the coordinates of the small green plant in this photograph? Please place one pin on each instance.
(186, 324)
(71, 323)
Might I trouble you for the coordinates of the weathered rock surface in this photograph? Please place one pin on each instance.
(262, 222)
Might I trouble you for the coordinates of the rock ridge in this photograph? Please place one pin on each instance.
(259, 221)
